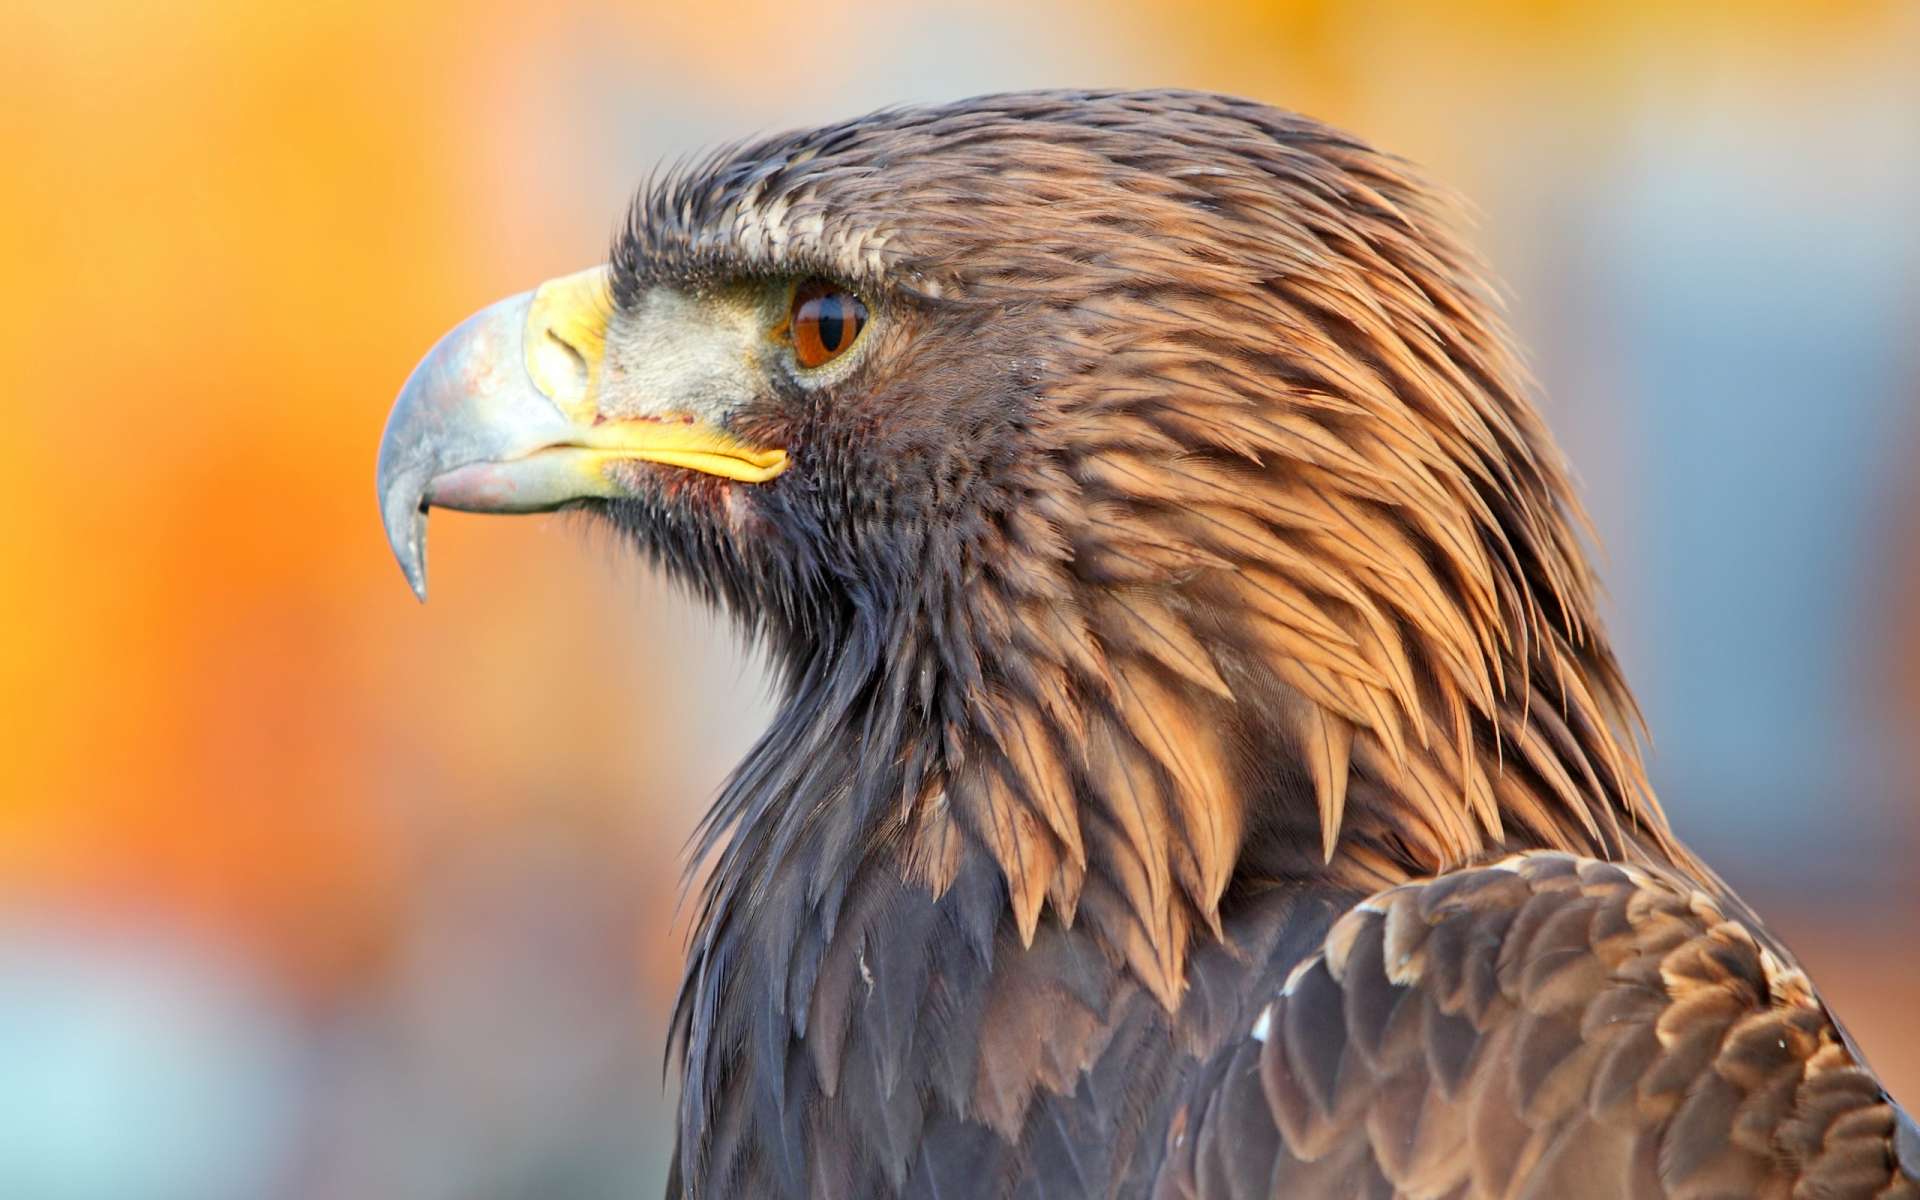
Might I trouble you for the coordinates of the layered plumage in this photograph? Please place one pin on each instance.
(1200, 770)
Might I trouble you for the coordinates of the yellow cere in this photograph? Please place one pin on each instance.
(566, 339)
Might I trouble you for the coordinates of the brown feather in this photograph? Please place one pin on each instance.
(1533, 1093)
(1326, 742)
(1185, 468)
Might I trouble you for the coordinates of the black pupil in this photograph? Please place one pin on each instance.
(833, 321)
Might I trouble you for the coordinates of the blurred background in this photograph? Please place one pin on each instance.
(308, 892)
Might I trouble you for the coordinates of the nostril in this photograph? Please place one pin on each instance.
(576, 361)
(564, 337)
(557, 367)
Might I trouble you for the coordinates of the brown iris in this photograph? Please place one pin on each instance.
(824, 322)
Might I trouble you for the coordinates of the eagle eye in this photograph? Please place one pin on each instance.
(824, 322)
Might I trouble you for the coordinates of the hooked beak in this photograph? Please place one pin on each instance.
(503, 415)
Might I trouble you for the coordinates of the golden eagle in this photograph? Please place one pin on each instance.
(1200, 770)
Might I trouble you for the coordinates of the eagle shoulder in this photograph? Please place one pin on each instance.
(1545, 1025)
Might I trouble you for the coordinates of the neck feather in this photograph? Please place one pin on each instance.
(1124, 761)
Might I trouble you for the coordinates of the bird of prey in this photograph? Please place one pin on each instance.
(1199, 771)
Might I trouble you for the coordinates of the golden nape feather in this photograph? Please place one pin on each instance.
(1201, 770)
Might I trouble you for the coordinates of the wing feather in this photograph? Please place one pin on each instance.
(1545, 1026)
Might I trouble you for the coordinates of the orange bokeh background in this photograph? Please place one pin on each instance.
(230, 229)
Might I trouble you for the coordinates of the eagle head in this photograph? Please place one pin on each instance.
(1136, 491)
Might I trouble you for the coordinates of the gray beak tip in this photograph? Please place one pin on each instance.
(466, 402)
(406, 525)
